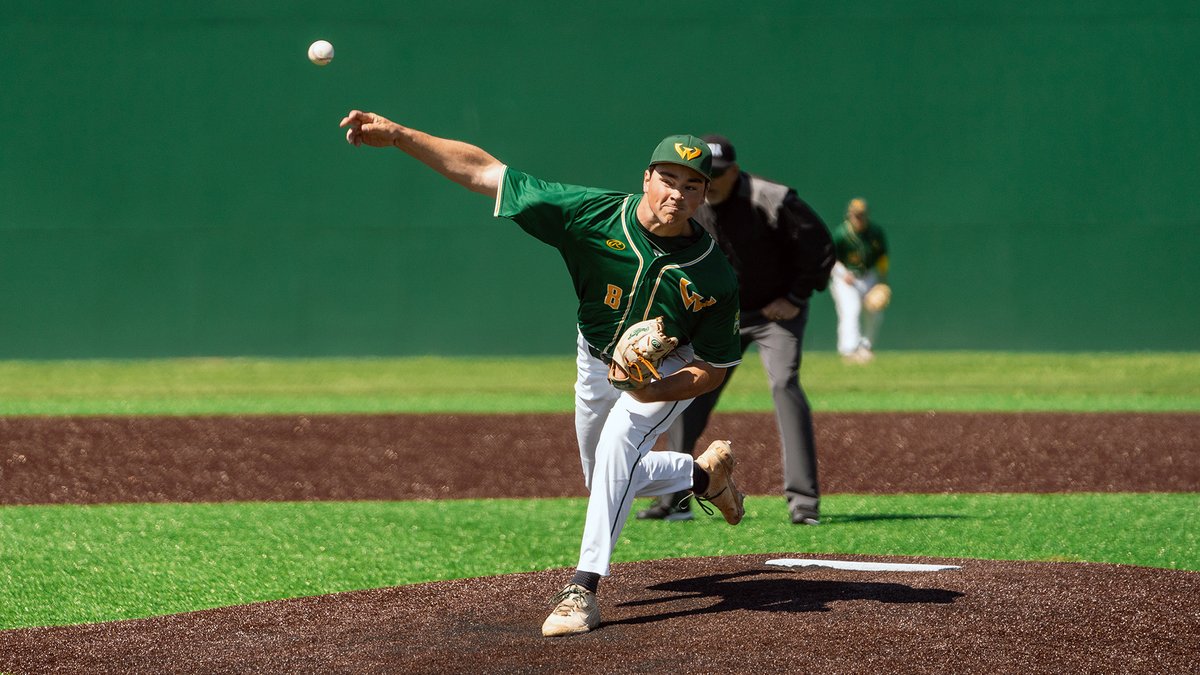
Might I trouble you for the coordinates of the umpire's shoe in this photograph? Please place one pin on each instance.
(577, 611)
(718, 462)
(675, 506)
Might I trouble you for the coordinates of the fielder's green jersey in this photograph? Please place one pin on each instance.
(621, 275)
(859, 251)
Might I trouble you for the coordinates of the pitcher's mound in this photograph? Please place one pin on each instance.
(732, 614)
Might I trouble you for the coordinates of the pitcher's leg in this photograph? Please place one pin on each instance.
(625, 468)
(682, 437)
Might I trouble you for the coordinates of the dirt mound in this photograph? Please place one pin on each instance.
(351, 457)
(732, 614)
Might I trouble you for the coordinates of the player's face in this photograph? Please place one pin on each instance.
(673, 192)
(721, 186)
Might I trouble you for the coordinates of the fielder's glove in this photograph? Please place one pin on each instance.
(638, 354)
(878, 298)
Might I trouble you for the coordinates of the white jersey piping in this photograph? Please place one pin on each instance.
(658, 280)
(636, 275)
(500, 192)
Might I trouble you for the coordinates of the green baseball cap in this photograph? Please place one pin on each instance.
(684, 150)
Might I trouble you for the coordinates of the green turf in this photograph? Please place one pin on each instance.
(897, 381)
(74, 564)
(69, 564)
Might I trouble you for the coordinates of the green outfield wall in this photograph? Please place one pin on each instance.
(173, 181)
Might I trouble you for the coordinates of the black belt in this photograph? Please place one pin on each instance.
(600, 355)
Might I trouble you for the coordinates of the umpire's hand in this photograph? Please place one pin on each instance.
(780, 309)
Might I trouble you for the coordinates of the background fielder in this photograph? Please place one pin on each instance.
(630, 257)
(862, 264)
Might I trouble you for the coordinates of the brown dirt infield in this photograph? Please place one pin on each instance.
(731, 614)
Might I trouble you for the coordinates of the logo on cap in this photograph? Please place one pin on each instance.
(688, 154)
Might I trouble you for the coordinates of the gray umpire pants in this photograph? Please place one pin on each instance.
(780, 344)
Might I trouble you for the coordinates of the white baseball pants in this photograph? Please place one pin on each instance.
(854, 330)
(616, 433)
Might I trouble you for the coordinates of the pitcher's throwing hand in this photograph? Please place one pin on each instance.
(367, 127)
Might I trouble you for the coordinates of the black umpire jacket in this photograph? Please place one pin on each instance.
(779, 246)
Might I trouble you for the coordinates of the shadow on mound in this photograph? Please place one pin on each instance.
(756, 591)
(732, 614)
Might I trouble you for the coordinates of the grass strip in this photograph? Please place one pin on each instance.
(896, 381)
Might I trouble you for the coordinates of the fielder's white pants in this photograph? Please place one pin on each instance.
(616, 433)
(854, 330)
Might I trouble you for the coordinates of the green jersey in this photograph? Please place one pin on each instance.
(859, 252)
(621, 274)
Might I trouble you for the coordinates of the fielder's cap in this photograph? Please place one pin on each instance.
(684, 150)
(722, 151)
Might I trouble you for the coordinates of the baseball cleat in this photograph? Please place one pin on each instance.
(799, 518)
(718, 462)
(577, 611)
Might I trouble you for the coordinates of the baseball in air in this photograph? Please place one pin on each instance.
(320, 52)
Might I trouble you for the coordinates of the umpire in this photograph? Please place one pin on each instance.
(782, 253)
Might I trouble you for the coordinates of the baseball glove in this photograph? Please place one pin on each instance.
(638, 354)
(878, 298)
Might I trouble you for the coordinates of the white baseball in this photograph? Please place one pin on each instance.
(320, 52)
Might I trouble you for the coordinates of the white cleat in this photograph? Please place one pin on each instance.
(577, 611)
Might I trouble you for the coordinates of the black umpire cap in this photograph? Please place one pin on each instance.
(723, 154)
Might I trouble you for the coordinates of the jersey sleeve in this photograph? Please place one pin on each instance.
(541, 208)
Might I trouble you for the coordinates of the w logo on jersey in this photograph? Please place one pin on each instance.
(688, 154)
(693, 301)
